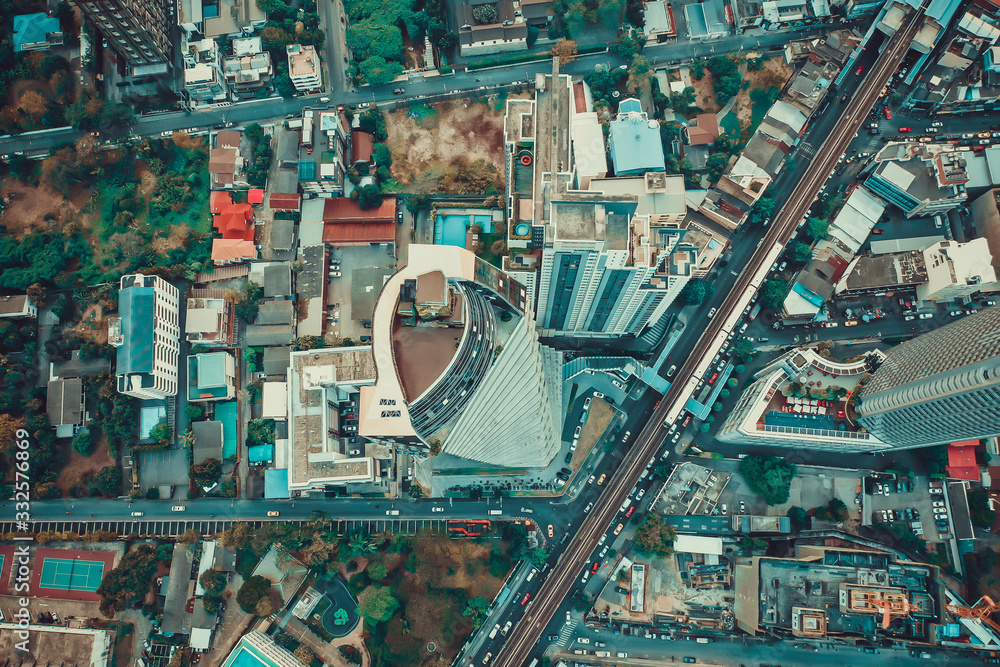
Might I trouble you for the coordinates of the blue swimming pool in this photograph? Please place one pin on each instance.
(450, 229)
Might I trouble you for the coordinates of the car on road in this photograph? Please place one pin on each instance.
(715, 376)
(743, 507)
(437, 509)
(600, 480)
(398, 91)
(926, 316)
(569, 619)
(626, 436)
(888, 114)
(687, 420)
(909, 318)
(858, 71)
(598, 394)
(876, 232)
(618, 528)
(487, 657)
(630, 512)
(688, 658)
(177, 508)
(589, 507)
(906, 129)
(712, 312)
(524, 600)
(551, 530)
(137, 513)
(671, 370)
(273, 513)
(851, 323)
(937, 123)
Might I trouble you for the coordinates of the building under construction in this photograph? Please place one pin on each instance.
(842, 591)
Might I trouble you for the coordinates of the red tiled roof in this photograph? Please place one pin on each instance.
(343, 209)
(283, 202)
(362, 145)
(706, 131)
(219, 200)
(225, 251)
(235, 222)
(962, 460)
(256, 196)
(351, 232)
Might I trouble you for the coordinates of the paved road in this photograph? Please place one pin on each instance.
(273, 108)
(563, 578)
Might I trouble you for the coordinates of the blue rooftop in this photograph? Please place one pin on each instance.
(307, 170)
(261, 453)
(226, 413)
(635, 145)
(276, 483)
(135, 306)
(631, 105)
(33, 28)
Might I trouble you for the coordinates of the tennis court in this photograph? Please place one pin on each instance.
(71, 574)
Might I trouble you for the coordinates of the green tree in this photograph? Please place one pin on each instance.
(654, 536)
(129, 582)
(251, 592)
(485, 13)
(769, 477)
(476, 609)
(382, 155)
(744, 350)
(798, 517)
(194, 411)
(377, 603)
(369, 197)
(817, 228)
(755, 64)
(377, 71)
(284, 86)
(751, 543)
(107, 481)
(207, 472)
(773, 293)
(160, 433)
(696, 291)
(716, 165)
(228, 490)
(376, 570)
(979, 509)
(83, 443)
(800, 252)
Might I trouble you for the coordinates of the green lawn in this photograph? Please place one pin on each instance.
(762, 99)
(488, 241)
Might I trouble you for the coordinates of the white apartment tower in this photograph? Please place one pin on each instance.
(147, 335)
(303, 67)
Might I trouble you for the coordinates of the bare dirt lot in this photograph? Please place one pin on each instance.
(774, 75)
(28, 206)
(78, 467)
(704, 89)
(439, 137)
(93, 324)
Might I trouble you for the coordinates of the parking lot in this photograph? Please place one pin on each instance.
(895, 498)
(351, 294)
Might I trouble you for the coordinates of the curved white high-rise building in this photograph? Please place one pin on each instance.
(459, 369)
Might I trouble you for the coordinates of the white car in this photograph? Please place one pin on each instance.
(626, 436)
(586, 404)
(712, 312)
(437, 509)
(937, 503)
(569, 619)
(598, 394)
(578, 431)
(137, 513)
(177, 508)
(582, 640)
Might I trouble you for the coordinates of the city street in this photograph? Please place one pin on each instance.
(250, 111)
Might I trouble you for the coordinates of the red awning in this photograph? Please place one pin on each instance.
(256, 196)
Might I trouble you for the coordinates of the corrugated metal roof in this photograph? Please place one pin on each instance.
(369, 232)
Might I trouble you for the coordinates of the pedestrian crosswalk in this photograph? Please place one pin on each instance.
(566, 633)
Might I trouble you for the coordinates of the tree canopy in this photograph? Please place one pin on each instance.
(696, 291)
(377, 603)
(251, 592)
(773, 293)
(128, 583)
(654, 536)
(769, 477)
(207, 472)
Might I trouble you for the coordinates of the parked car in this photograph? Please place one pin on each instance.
(905, 129)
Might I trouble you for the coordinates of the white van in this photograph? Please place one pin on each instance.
(494, 631)
(495, 512)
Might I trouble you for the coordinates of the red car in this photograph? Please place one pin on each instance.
(861, 68)
(713, 378)
(524, 600)
(687, 420)
(878, 231)
(904, 129)
(597, 564)
(888, 114)
(631, 511)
